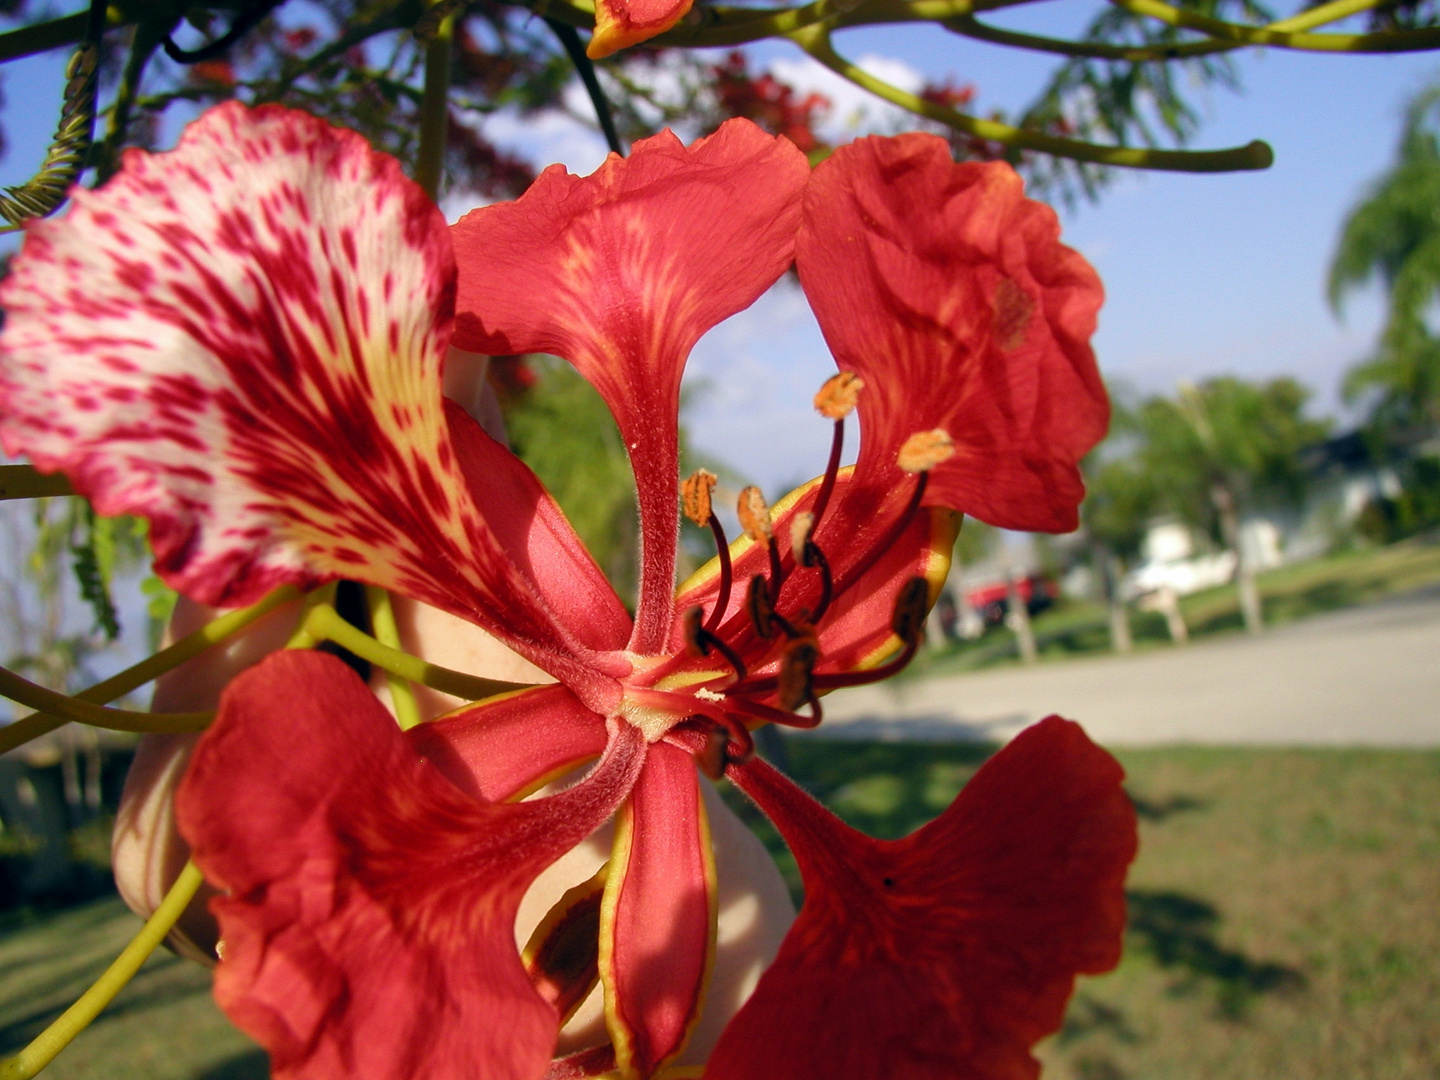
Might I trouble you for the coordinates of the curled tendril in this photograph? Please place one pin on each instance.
(44, 193)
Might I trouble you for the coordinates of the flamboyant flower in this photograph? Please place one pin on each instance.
(242, 341)
(622, 23)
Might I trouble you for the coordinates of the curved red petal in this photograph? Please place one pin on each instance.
(657, 923)
(538, 539)
(952, 951)
(949, 293)
(634, 263)
(622, 23)
(368, 930)
(241, 340)
(507, 747)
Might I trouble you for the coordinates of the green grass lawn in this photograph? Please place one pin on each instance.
(1283, 925)
(1292, 592)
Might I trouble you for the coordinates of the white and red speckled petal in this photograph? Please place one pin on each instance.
(241, 340)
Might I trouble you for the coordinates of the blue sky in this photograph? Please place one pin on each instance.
(1204, 274)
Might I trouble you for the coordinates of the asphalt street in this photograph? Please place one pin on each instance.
(1367, 676)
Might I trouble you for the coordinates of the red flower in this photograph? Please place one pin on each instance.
(252, 329)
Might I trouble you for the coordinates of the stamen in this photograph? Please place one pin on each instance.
(832, 470)
(815, 557)
(885, 543)
(911, 606)
(924, 450)
(777, 571)
(761, 607)
(801, 525)
(700, 640)
(711, 759)
(695, 496)
(739, 743)
(754, 515)
(797, 664)
(761, 610)
(722, 594)
(747, 707)
(837, 398)
(907, 621)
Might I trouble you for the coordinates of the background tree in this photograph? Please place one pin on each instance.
(1393, 235)
(1222, 449)
(1120, 501)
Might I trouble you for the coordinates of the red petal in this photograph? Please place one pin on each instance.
(622, 23)
(538, 539)
(508, 747)
(369, 927)
(634, 263)
(948, 953)
(657, 925)
(950, 294)
(241, 340)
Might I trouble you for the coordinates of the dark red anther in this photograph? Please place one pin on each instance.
(912, 604)
(700, 641)
(797, 665)
(816, 558)
(760, 607)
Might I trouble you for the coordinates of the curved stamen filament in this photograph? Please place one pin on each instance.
(832, 470)
(722, 595)
(887, 541)
(746, 707)
(876, 674)
(816, 558)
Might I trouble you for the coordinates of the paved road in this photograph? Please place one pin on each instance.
(1367, 676)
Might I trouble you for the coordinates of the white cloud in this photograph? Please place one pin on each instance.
(853, 111)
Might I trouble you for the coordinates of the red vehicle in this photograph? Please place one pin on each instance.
(992, 600)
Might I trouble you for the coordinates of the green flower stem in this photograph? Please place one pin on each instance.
(27, 482)
(42, 37)
(323, 622)
(18, 688)
(72, 1021)
(382, 619)
(815, 40)
(1388, 42)
(191, 645)
(435, 109)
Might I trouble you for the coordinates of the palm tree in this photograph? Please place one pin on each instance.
(1393, 234)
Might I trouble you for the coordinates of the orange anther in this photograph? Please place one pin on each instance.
(924, 450)
(695, 495)
(837, 398)
(801, 525)
(754, 515)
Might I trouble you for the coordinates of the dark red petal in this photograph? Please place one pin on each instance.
(951, 295)
(368, 928)
(948, 953)
(510, 746)
(241, 340)
(657, 925)
(634, 263)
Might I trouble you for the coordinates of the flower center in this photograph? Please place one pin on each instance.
(739, 670)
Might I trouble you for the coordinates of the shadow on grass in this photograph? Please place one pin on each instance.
(250, 1065)
(1179, 933)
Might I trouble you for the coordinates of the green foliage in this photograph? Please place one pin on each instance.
(1225, 439)
(1121, 101)
(1416, 509)
(1393, 236)
(563, 430)
(975, 541)
(1121, 498)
